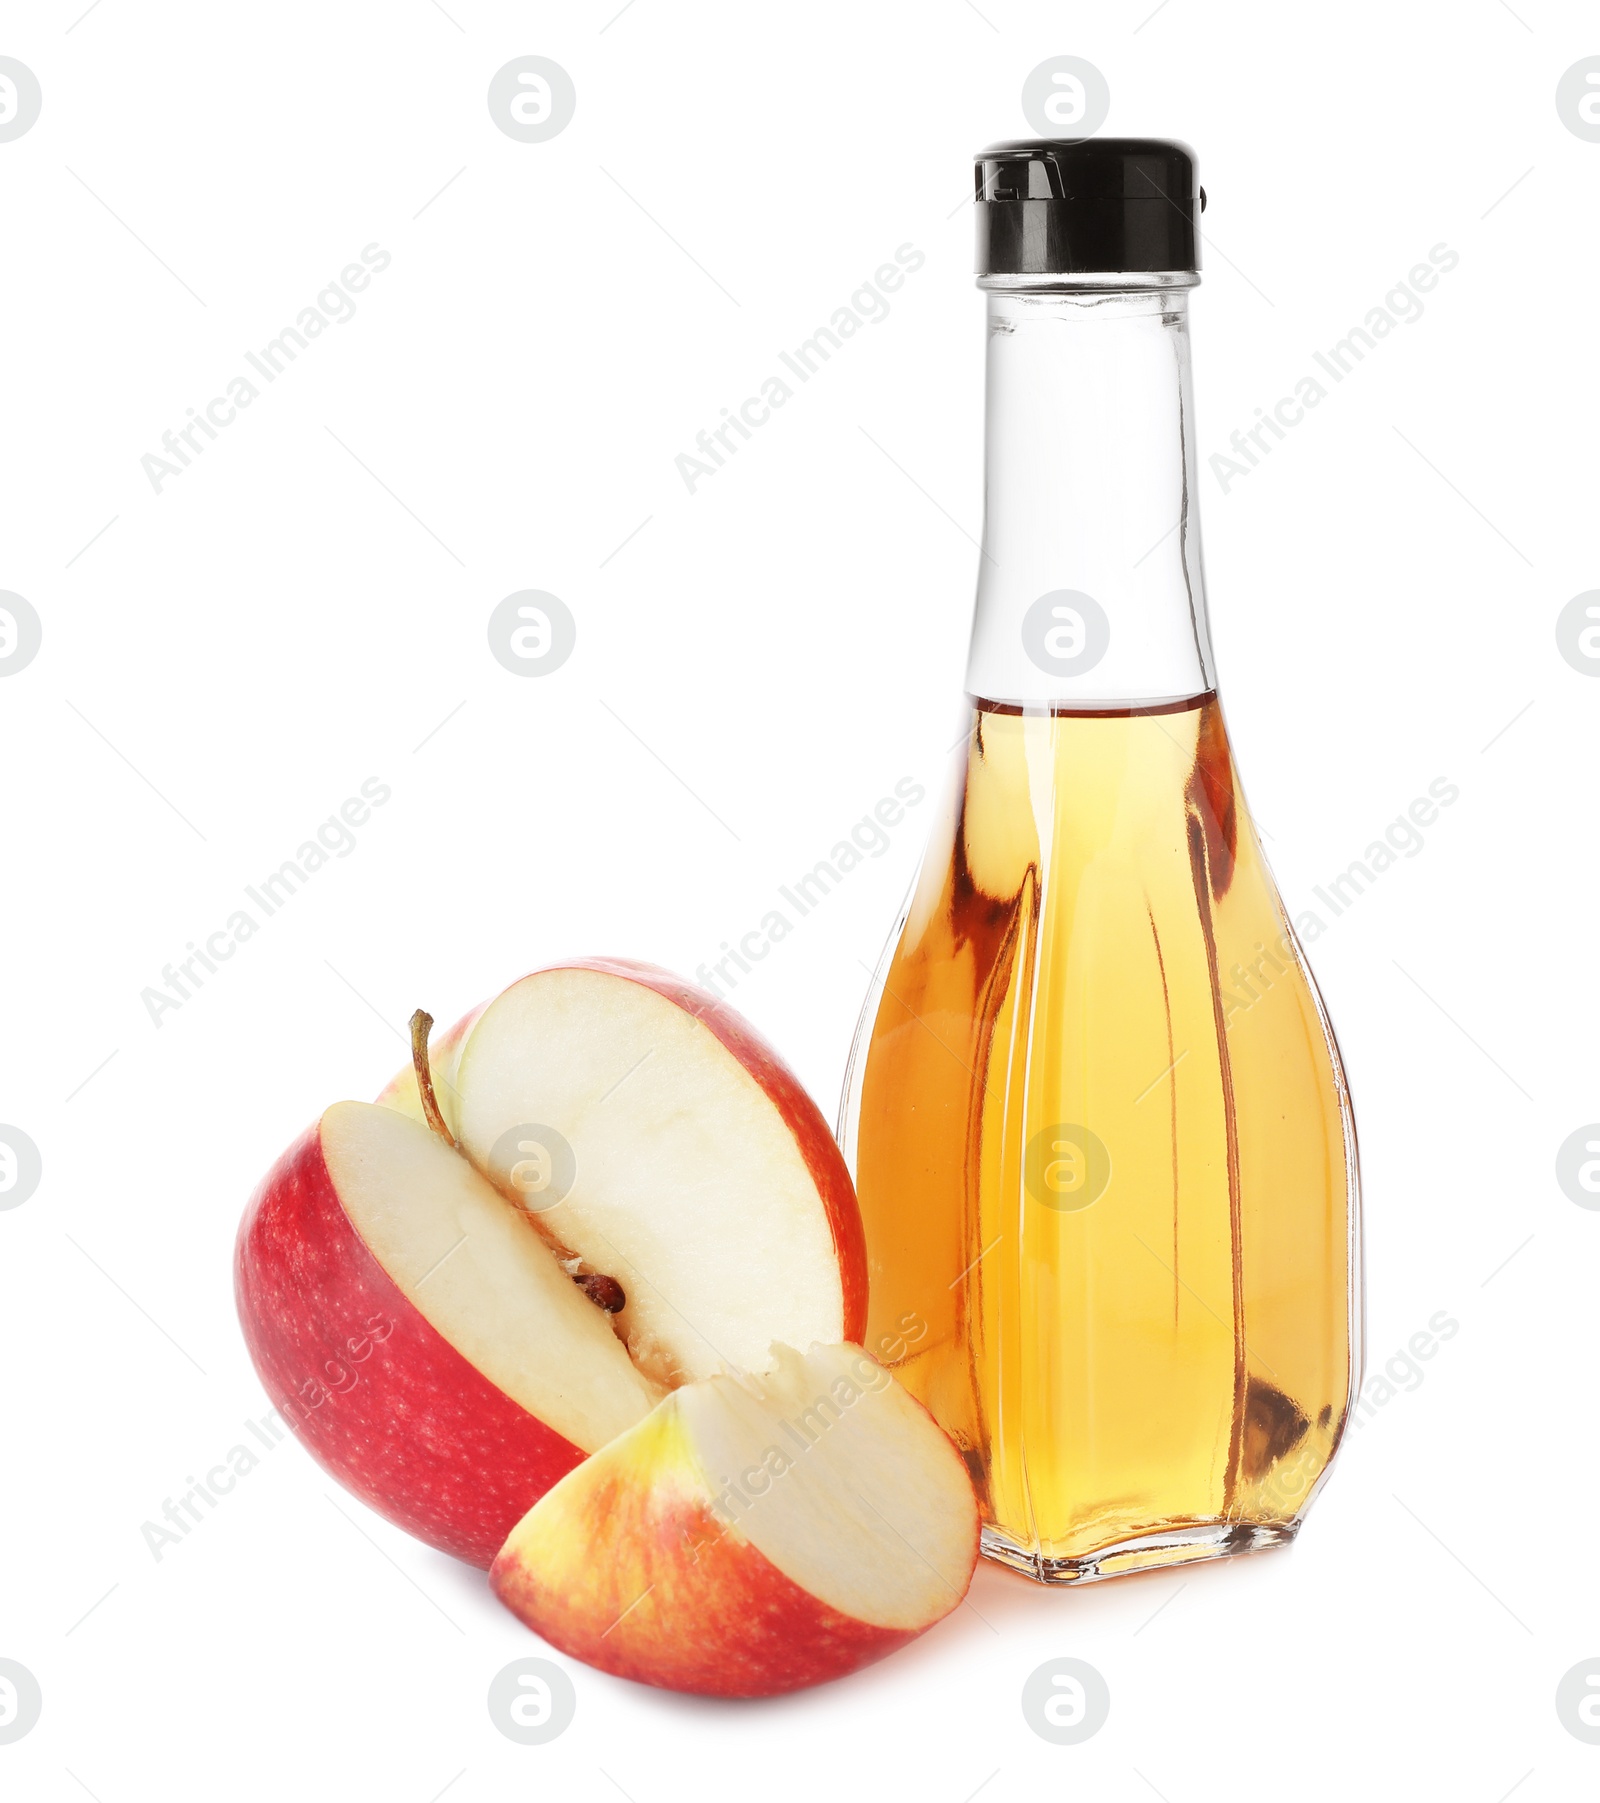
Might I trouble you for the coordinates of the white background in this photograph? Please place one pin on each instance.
(755, 667)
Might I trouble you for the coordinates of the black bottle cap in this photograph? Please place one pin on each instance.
(1087, 206)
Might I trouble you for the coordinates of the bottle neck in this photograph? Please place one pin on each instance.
(1090, 591)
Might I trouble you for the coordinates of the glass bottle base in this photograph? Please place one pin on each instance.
(1184, 1544)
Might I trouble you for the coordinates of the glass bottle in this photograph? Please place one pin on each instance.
(1095, 1109)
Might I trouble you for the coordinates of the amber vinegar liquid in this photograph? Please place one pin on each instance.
(1102, 1145)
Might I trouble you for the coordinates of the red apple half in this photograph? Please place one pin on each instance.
(752, 1535)
(409, 1302)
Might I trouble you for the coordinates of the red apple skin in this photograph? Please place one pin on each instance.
(375, 1394)
(800, 1114)
(642, 1579)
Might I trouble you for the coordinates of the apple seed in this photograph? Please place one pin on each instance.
(604, 1292)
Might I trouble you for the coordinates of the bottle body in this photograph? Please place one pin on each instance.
(1098, 1122)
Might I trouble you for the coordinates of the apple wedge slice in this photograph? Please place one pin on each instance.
(752, 1535)
(418, 1336)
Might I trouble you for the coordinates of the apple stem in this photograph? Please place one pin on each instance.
(421, 1027)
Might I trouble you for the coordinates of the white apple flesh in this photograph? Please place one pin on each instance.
(691, 1188)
